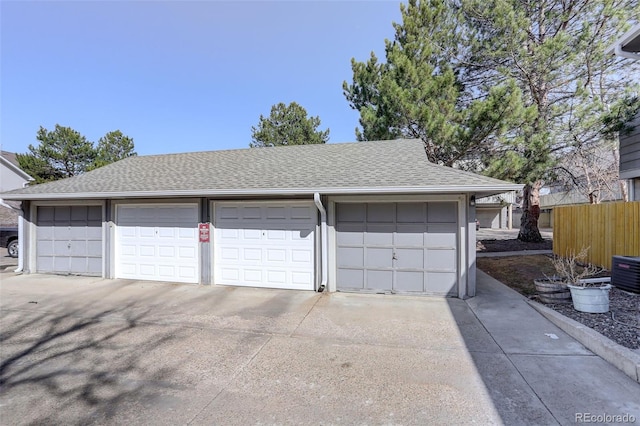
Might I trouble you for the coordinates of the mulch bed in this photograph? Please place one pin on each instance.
(512, 245)
(621, 324)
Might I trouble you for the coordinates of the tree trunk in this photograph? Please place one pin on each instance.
(529, 231)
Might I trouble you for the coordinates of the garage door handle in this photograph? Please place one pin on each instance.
(394, 257)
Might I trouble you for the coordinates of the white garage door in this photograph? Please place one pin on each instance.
(265, 244)
(157, 242)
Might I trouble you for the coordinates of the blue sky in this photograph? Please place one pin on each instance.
(180, 76)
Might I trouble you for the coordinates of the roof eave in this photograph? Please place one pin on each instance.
(623, 41)
(479, 190)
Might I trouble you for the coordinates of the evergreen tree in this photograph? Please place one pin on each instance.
(287, 125)
(62, 152)
(422, 91)
(112, 147)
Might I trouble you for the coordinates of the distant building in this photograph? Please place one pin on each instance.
(11, 177)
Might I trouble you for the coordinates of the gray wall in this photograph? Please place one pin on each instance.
(630, 152)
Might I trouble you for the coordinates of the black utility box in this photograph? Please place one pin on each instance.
(625, 273)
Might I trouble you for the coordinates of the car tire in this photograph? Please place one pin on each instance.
(12, 248)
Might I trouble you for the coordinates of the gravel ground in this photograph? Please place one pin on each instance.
(621, 324)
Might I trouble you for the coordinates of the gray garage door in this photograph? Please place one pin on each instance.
(69, 240)
(397, 247)
(488, 218)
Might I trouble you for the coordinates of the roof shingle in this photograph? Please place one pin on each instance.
(389, 166)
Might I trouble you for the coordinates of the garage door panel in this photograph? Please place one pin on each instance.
(61, 265)
(61, 232)
(77, 232)
(444, 212)
(379, 235)
(441, 236)
(251, 234)
(252, 275)
(376, 257)
(94, 231)
(275, 277)
(264, 244)
(45, 214)
(62, 214)
(351, 278)
(410, 259)
(350, 233)
(409, 235)
(78, 265)
(380, 280)
(45, 248)
(382, 213)
(302, 257)
(78, 214)
(410, 281)
(350, 257)
(276, 255)
(411, 213)
(61, 247)
(94, 248)
(351, 213)
(157, 242)
(442, 283)
(440, 260)
(45, 232)
(45, 263)
(304, 213)
(276, 212)
(78, 248)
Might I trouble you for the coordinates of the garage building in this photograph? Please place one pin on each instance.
(367, 217)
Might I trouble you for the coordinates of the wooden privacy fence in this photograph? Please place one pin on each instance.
(607, 229)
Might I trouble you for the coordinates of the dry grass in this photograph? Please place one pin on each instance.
(518, 272)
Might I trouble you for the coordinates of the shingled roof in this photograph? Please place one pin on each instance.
(398, 166)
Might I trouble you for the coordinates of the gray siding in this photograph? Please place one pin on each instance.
(630, 152)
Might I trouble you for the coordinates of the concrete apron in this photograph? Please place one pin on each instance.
(83, 350)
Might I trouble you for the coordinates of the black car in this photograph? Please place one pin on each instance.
(9, 240)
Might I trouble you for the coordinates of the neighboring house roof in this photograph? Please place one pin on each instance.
(8, 159)
(628, 45)
(398, 166)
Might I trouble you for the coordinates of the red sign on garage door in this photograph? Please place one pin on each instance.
(203, 229)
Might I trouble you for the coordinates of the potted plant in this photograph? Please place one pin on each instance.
(589, 294)
(552, 289)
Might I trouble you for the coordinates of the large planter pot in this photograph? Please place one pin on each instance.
(552, 290)
(593, 300)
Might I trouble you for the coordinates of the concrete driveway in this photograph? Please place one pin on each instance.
(81, 350)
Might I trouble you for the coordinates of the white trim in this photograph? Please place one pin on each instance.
(324, 249)
(480, 190)
(463, 238)
(619, 45)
